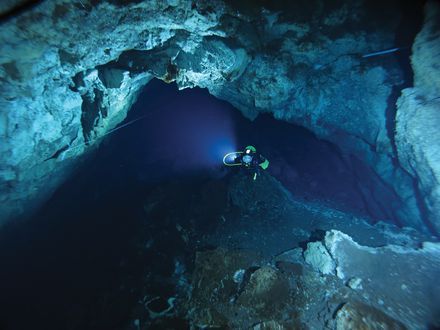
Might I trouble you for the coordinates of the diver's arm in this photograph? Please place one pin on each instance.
(263, 163)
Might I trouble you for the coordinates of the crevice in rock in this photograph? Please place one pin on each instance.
(77, 82)
(156, 62)
(390, 120)
(61, 150)
(380, 200)
(244, 282)
(58, 152)
(409, 26)
(316, 235)
(92, 110)
(421, 204)
(110, 77)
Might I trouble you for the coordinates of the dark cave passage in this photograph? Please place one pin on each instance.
(80, 263)
(187, 132)
(142, 226)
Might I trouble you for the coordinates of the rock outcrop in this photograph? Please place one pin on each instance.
(359, 316)
(71, 70)
(395, 279)
(418, 118)
(388, 287)
(285, 268)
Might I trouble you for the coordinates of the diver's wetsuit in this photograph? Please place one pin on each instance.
(254, 164)
(257, 159)
(249, 159)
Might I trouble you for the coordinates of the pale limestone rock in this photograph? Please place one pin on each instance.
(418, 119)
(426, 52)
(319, 258)
(56, 95)
(400, 280)
(268, 325)
(355, 283)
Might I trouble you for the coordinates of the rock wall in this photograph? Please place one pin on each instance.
(71, 70)
(418, 118)
(56, 96)
(395, 279)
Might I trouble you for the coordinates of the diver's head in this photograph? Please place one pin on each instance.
(249, 149)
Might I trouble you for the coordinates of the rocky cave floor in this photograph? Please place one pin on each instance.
(226, 253)
(245, 261)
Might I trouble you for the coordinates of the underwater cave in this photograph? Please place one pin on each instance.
(135, 138)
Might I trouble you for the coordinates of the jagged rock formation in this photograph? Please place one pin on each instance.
(336, 259)
(396, 293)
(391, 276)
(267, 271)
(71, 70)
(418, 117)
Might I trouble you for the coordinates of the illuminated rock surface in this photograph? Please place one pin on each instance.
(263, 272)
(395, 279)
(397, 291)
(418, 118)
(71, 71)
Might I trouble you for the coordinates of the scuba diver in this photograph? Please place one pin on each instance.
(249, 159)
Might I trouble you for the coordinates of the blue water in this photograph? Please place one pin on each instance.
(81, 262)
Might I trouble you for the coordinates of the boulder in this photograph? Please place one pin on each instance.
(399, 280)
(355, 315)
(318, 257)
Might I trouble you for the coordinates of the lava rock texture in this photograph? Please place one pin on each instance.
(70, 71)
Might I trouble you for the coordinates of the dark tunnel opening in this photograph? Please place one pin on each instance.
(186, 133)
(81, 262)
